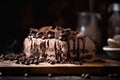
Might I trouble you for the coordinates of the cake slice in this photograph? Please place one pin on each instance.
(58, 45)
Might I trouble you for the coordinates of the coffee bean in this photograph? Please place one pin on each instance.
(0, 73)
(27, 63)
(22, 62)
(114, 75)
(11, 58)
(36, 62)
(31, 61)
(87, 76)
(1, 56)
(17, 62)
(81, 63)
(26, 74)
(83, 75)
(52, 62)
(49, 75)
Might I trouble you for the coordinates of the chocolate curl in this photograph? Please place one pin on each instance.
(34, 30)
(45, 29)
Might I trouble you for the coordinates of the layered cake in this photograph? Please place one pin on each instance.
(54, 45)
(58, 45)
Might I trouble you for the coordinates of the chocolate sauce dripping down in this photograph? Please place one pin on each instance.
(32, 49)
(68, 54)
(43, 47)
(78, 48)
(31, 44)
(48, 43)
(83, 40)
(74, 50)
(56, 52)
(35, 50)
(60, 52)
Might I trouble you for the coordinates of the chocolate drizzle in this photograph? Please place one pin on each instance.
(74, 50)
(68, 54)
(60, 52)
(56, 54)
(78, 48)
(31, 46)
(83, 41)
(48, 43)
(43, 47)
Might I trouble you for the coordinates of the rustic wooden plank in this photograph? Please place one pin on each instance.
(58, 70)
(10, 68)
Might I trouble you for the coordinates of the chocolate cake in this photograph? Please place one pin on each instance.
(54, 45)
(58, 45)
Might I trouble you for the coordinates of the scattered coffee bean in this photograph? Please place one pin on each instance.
(26, 74)
(11, 58)
(87, 76)
(22, 62)
(114, 75)
(52, 62)
(31, 61)
(49, 75)
(17, 62)
(27, 63)
(1, 56)
(36, 62)
(0, 73)
(77, 63)
(82, 75)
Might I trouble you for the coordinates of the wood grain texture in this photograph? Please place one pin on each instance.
(10, 68)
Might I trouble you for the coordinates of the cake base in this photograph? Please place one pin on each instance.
(107, 67)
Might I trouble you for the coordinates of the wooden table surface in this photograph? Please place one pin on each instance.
(107, 67)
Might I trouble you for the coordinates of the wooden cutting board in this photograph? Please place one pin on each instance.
(107, 67)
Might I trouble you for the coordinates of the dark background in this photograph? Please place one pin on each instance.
(17, 17)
